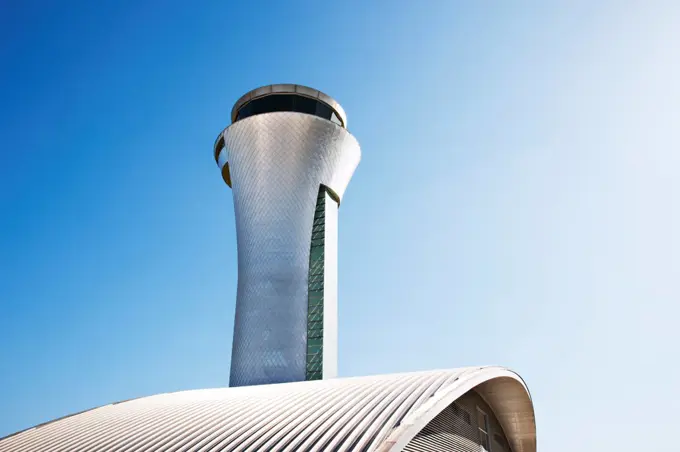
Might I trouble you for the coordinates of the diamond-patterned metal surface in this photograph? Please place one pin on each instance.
(277, 162)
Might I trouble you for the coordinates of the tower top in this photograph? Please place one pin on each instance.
(324, 105)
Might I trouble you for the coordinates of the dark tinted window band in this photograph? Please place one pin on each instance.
(288, 102)
(315, 300)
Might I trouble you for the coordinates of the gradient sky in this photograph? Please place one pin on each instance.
(517, 203)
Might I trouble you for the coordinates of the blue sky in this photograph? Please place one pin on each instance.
(516, 203)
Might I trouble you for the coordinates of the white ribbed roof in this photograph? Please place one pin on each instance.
(363, 413)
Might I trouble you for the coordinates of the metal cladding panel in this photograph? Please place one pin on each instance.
(345, 414)
(277, 162)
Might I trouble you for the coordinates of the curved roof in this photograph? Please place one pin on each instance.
(283, 88)
(381, 413)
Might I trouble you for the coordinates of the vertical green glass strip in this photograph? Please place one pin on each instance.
(315, 292)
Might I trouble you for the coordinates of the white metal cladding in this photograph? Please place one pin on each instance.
(349, 414)
(277, 161)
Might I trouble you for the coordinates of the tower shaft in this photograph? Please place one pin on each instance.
(288, 171)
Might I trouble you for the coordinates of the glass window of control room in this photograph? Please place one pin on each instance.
(288, 102)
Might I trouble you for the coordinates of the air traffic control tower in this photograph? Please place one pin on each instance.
(288, 159)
